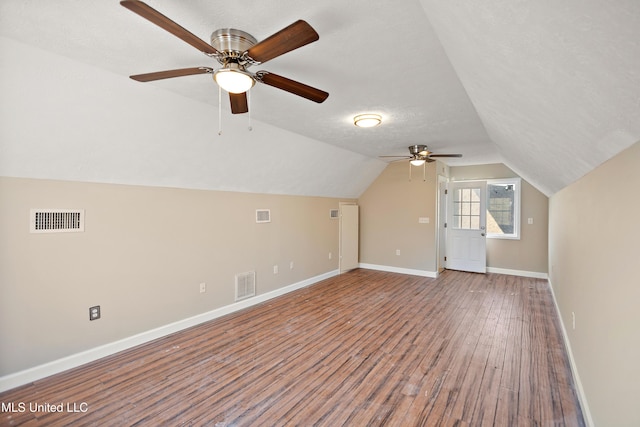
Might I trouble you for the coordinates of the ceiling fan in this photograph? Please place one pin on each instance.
(420, 154)
(236, 51)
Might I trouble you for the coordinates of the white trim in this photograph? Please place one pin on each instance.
(523, 273)
(56, 366)
(572, 362)
(424, 273)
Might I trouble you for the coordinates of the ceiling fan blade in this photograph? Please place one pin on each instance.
(152, 15)
(445, 155)
(159, 75)
(292, 86)
(404, 157)
(239, 102)
(292, 37)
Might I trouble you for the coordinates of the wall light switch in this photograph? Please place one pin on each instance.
(275, 269)
(203, 287)
(529, 221)
(423, 220)
(398, 252)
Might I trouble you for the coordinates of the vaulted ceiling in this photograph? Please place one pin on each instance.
(549, 88)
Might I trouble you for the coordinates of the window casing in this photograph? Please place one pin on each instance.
(503, 208)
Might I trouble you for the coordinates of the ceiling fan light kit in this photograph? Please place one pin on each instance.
(233, 78)
(236, 50)
(368, 120)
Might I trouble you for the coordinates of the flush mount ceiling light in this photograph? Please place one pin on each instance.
(233, 78)
(367, 120)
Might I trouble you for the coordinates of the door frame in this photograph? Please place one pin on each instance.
(345, 260)
(441, 212)
(469, 245)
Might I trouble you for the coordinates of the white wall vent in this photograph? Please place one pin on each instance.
(245, 285)
(56, 220)
(263, 215)
(334, 213)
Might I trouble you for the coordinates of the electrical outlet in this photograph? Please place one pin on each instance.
(291, 265)
(94, 312)
(398, 252)
(203, 287)
(529, 221)
(275, 269)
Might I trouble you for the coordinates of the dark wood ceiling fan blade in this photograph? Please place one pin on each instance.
(159, 75)
(296, 35)
(445, 155)
(239, 103)
(152, 15)
(292, 86)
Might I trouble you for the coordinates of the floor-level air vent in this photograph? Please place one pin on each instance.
(245, 285)
(56, 220)
(334, 213)
(263, 215)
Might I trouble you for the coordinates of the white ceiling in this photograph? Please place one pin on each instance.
(550, 88)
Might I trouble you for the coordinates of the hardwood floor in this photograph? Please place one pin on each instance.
(364, 348)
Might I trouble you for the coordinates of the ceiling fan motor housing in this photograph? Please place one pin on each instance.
(231, 43)
(418, 150)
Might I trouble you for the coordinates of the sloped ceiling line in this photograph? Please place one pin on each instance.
(549, 88)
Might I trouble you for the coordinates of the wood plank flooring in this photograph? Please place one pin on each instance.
(365, 348)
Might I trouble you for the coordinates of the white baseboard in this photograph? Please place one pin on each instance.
(574, 369)
(424, 273)
(522, 273)
(434, 274)
(54, 367)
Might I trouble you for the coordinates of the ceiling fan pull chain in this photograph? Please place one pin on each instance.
(424, 171)
(219, 110)
(409, 171)
(249, 106)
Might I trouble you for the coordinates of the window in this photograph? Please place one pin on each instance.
(503, 208)
(466, 208)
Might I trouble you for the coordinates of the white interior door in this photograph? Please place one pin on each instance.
(348, 237)
(466, 227)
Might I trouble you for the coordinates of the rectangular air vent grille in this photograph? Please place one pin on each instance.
(334, 213)
(245, 285)
(56, 220)
(263, 215)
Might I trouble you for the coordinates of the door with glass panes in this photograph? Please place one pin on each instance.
(466, 227)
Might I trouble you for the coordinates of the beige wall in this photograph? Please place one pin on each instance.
(594, 233)
(389, 212)
(142, 256)
(530, 253)
(391, 206)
